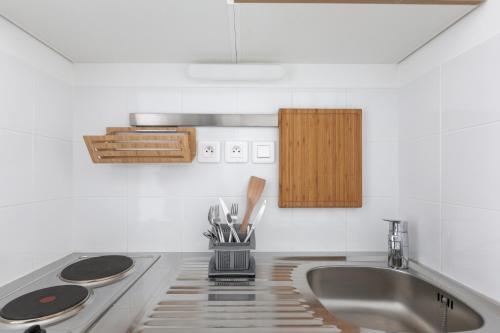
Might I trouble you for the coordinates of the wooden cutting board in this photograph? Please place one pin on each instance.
(320, 158)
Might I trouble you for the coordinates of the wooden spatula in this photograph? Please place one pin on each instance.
(255, 188)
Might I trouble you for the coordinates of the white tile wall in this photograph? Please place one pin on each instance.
(53, 168)
(37, 172)
(448, 164)
(167, 204)
(425, 230)
(469, 83)
(17, 166)
(156, 224)
(100, 224)
(470, 167)
(318, 98)
(209, 100)
(470, 259)
(17, 92)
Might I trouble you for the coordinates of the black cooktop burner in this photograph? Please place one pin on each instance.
(45, 303)
(97, 269)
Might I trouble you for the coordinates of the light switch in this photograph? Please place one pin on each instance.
(263, 152)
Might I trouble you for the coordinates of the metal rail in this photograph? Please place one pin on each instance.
(203, 120)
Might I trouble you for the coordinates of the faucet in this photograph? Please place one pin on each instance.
(398, 255)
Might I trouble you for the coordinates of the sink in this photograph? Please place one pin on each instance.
(389, 300)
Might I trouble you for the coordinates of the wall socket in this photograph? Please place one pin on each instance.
(209, 151)
(236, 152)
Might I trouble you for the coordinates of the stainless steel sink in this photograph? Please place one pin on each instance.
(389, 300)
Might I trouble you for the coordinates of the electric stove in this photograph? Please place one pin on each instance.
(71, 294)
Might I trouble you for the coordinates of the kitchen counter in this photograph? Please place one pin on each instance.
(177, 296)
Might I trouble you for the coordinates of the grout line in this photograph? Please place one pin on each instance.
(419, 138)
(422, 200)
(441, 227)
(346, 240)
(126, 208)
(465, 128)
(53, 138)
(267, 87)
(447, 203)
(34, 202)
(235, 31)
(34, 133)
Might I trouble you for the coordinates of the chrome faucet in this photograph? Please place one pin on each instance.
(398, 255)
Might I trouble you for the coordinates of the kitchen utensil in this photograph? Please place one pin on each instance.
(217, 221)
(255, 188)
(209, 235)
(234, 212)
(256, 220)
(234, 217)
(213, 216)
(212, 234)
(229, 221)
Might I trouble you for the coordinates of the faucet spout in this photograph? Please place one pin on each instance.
(398, 245)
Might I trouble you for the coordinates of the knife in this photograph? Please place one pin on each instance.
(256, 220)
(229, 220)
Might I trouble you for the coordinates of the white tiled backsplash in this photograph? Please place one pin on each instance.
(164, 207)
(449, 166)
(36, 162)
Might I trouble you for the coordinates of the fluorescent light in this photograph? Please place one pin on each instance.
(236, 72)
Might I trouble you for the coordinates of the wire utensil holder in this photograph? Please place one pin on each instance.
(232, 259)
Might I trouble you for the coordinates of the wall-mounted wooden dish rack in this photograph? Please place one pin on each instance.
(143, 145)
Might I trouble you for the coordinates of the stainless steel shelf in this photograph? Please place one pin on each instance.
(203, 120)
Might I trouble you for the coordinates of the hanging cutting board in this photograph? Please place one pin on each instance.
(320, 158)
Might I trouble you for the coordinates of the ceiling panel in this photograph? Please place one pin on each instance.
(338, 33)
(203, 31)
(128, 30)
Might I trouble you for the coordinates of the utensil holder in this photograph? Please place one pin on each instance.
(232, 259)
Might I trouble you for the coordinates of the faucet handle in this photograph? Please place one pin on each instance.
(397, 225)
(392, 220)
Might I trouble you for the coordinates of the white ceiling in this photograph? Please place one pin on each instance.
(215, 32)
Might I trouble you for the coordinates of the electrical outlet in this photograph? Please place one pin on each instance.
(236, 152)
(209, 151)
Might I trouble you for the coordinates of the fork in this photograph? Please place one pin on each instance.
(234, 217)
(213, 218)
(234, 212)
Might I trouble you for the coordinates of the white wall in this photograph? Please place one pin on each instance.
(449, 157)
(164, 207)
(36, 159)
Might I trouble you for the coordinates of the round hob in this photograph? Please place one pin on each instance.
(45, 304)
(95, 270)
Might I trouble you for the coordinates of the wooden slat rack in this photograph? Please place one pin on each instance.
(143, 145)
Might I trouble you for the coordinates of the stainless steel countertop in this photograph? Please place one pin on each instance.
(176, 296)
